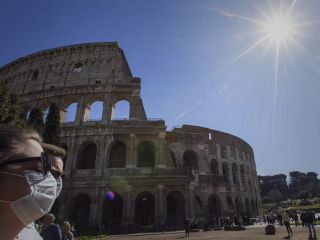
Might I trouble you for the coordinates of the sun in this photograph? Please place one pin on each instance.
(279, 29)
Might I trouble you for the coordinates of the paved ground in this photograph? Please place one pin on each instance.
(251, 233)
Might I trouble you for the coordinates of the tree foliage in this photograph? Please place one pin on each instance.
(9, 110)
(52, 130)
(35, 120)
(301, 185)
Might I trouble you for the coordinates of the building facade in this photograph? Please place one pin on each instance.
(130, 172)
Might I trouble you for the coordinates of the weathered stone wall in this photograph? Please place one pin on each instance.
(191, 164)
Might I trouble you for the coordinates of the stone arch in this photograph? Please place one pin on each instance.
(117, 155)
(64, 160)
(225, 172)
(230, 206)
(214, 207)
(214, 166)
(112, 210)
(87, 156)
(144, 209)
(69, 113)
(81, 212)
(121, 110)
(146, 154)
(190, 159)
(173, 158)
(235, 173)
(198, 207)
(93, 111)
(175, 208)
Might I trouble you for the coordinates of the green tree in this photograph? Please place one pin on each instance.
(9, 110)
(52, 127)
(35, 120)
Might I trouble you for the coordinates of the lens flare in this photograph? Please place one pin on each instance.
(110, 195)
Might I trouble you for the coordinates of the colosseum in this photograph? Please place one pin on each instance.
(122, 173)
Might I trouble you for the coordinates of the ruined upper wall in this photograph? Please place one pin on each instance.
(74, 65)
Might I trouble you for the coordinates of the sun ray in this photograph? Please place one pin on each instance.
(243, 54)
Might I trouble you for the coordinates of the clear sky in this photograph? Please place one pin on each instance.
(249, 68)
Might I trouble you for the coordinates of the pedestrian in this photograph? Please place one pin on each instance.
(286, 222)
(296, 220)
(186, 227)
(66, 231)
(309, 221)
(50, 231)
(28, 189)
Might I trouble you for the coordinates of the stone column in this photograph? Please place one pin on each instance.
(161, 160)
(131, 161)
(191, 205)
(107, 108)
(160, 217)
(80, 111)
(231, 180)
(127, 215)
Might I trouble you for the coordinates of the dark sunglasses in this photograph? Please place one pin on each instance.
(56, 174)
(45, 162)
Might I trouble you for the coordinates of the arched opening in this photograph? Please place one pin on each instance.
(238, 210)
(190, 160)
(45, 114)
(214, 166)
(248, 210)
(121, 110)
(198, 209)
(146, 154)
(225, 172)
(81, 212)
(144, 209)
(214, 209)
(117, 156)
(230, 207)
(71, 111)
(175, 208)
(87, 156)
(253, 207)
(112, 211)
(235, 173)
(93, 112)
(65, 147)
(243, 179)
(173, 159)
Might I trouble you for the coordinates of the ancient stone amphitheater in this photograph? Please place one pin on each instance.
(122, 173)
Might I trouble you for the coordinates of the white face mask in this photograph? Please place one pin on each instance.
(59, 186)
(39, 202)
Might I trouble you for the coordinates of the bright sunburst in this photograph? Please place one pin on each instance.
(280, 29)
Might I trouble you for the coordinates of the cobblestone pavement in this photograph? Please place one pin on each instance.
(251, 233)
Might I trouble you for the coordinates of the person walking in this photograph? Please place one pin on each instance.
(286, 222)
(309, 221)
(186, 227)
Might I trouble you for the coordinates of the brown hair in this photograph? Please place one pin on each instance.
(12, 141)
(53, 150)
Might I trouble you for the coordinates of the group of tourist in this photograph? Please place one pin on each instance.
(30, 182)
(306, 217)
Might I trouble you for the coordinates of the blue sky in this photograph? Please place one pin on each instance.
(184, 51)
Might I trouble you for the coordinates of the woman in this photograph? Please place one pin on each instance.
(67, 234)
